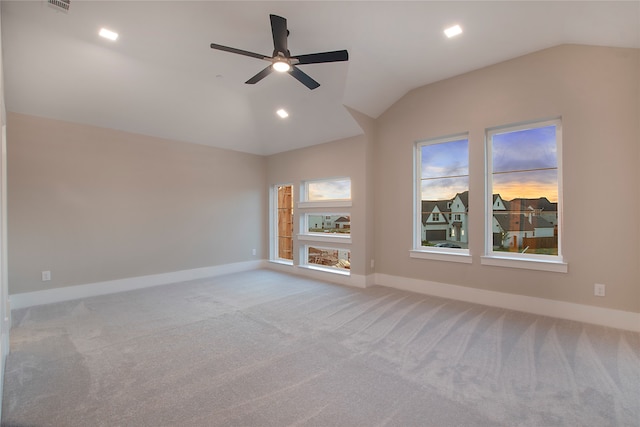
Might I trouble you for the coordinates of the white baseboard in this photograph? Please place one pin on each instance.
(4, 351)
(564, 310)
(67, 293)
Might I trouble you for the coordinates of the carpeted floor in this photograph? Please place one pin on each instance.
(267, 349)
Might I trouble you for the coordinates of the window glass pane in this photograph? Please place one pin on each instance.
(335, 189)
(527, 184)
(444, 188)
(284, 225)
(525, 191)
(328, 223)
(444, 194)
(525, 149)
(329, 257)
(445, 159)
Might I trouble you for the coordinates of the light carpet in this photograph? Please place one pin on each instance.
(263, 348)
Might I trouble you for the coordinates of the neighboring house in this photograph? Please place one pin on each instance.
(435, 223)
(458, 222)
(514, 227)
(513, 220)
(499, 204)
(517, 219)
(445, 220)
(343, 222)
(316, 222)
(540, 207)
(328, 222)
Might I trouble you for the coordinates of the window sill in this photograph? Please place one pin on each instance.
(525, 263)
(450, 256)
(325, 238)
(326, 269)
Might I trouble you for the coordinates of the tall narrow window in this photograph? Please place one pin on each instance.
(283, 242)
(524, 188)
(442, 196)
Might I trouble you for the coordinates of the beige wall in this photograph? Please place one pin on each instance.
(92, 204)
(5, 324)
(368, 126)
(596, 92)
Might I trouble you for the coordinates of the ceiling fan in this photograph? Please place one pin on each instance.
(281, 59)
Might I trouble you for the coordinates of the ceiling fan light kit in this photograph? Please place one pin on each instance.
(281, 59)
(281, 66)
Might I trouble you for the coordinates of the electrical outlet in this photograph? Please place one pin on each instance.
(46, 276)
(599, 290)
(253, 251)
(373, 263)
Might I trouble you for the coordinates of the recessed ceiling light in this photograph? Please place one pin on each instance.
(453, 31)
(282, 113)
(107, 34)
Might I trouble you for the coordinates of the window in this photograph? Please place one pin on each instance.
(329, 258)
(523, 192)
(330, 189)
(334, 224)
(441, 187)
(325, 219)
(282, 244)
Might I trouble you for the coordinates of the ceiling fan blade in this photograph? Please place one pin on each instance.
(238, 51)
(303, 78)
(261, 75)
(279, 32)
(317, 58)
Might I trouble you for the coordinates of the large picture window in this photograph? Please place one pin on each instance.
(524, 191)
(442, 196)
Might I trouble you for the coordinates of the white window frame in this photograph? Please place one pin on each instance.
(328, 203)
(431, 252)
(554, 263)
(273, 225)
(306, 239)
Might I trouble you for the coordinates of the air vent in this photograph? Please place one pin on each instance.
(62, 5)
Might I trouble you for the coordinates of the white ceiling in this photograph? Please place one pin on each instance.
(161, 78)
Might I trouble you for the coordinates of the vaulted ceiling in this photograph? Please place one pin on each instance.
(161, 78)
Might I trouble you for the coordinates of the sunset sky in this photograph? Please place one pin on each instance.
(531, 150)
(329, 190)
(524, 165)
(445, 169)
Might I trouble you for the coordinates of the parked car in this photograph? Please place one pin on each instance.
(447, 245)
